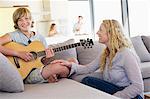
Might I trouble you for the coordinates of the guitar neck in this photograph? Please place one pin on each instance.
(42, 53)
(66, 47)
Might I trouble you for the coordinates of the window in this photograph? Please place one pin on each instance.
(139, 17)
(79, 8)
(106, 9)
(92, 11)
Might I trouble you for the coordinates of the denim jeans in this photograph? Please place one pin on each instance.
(103, 85)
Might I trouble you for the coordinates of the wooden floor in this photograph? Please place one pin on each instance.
(147, 96)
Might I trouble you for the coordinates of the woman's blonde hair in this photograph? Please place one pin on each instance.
(116, 42)
(20, 12)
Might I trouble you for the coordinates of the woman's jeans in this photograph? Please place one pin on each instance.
(103, 85)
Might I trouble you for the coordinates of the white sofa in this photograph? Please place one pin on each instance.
(70, 89)
(64, 89)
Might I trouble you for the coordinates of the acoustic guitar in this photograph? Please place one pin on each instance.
(38, 51)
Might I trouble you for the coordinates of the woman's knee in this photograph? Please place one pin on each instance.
(86, 80)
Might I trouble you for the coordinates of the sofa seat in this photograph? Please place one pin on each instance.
(64, 89)
(145, 69)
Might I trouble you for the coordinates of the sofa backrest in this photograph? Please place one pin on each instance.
(140, 48)
(65, 54)
(85, 56)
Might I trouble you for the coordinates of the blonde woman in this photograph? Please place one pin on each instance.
(120, 73)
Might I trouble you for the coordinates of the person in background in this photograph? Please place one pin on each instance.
(23, 35)
(119, 73)
(52, 30)
(78, 27)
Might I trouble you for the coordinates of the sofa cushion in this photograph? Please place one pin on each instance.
(85, 56)
(140, 48)
(147, 85)
(10, 79)
(65, 54)
(145, 69)
(63, 89)
(146, 40)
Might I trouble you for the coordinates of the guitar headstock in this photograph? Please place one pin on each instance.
(87, 43)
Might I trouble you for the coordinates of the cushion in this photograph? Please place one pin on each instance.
(146, 86)
(65, 54)
(10, 79)
(140, 49)
(146, 40)
(87, 55)
(132, 49)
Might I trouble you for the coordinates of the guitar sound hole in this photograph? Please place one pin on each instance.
(34, 55)
(47, 61)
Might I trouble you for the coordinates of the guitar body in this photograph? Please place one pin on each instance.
(26, 67)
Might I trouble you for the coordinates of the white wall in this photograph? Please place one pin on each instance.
(6, 22)
(59, 13)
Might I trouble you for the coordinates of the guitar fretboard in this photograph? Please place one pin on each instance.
(66, 47)
(41, 53)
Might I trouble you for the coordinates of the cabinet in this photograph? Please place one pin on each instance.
(41, 15)
(11, 3)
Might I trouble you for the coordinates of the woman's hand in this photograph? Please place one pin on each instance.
(63, 63)
(51, 70)
(53, 78)
(49, 52)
